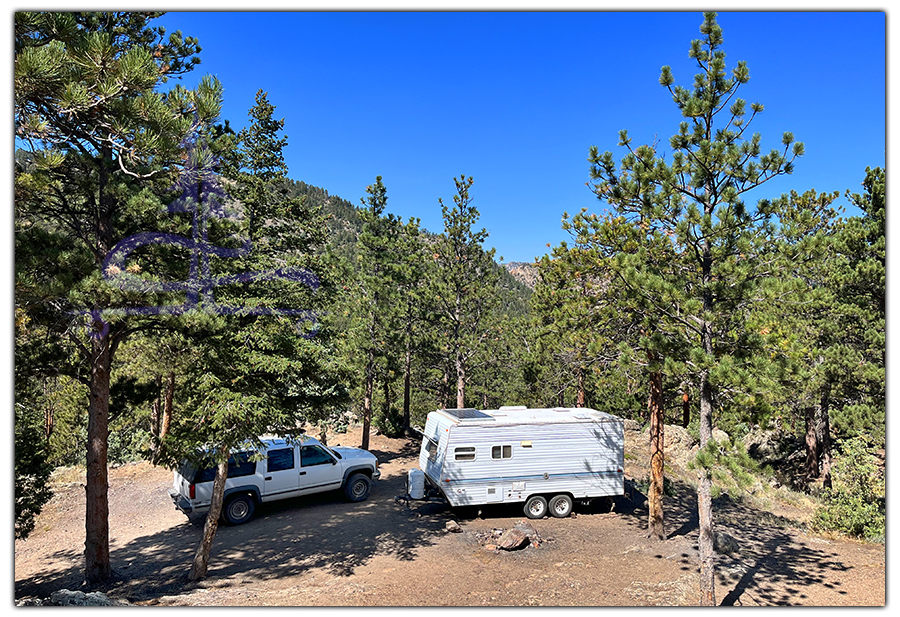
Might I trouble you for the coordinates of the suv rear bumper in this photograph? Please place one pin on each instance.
(181, 502)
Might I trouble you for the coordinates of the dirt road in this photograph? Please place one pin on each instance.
(322, 551)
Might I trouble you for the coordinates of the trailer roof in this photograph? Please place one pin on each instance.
(523, 415)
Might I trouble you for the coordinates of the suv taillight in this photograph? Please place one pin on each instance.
(192, 491)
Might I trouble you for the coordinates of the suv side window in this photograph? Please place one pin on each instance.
(280, 460)
(314, 455)
(239, 465)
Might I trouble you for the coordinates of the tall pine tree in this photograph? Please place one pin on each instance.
(465, 284)
(103, 143)
(697, 201)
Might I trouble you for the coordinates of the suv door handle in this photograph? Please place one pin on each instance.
(302, 473)
(268, 478)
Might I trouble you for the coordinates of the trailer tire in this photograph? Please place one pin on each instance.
(561, 506)
(536, 507)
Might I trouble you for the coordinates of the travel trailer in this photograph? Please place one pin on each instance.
(546, 458)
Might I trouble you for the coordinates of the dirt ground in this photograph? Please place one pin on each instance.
(322, 551)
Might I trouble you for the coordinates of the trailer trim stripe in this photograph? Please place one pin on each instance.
(531, 477)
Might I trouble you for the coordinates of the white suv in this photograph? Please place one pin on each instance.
(283, 468)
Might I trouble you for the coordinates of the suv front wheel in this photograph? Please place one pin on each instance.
(357, 487)
(239, 509)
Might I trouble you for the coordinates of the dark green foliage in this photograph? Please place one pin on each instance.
(259, 368)
(464, 286)
(857, 360)
(729, 464)
(103, 143)
(32, 469)
(856, 504)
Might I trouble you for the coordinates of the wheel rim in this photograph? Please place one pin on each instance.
(562, 506)
(536, 507)
(359, 488)
(239, 509)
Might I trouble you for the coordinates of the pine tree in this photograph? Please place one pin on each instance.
(263, 365)
(697, 201)
(377, 298)
(464, 285)
(102, 144)
(860, 285)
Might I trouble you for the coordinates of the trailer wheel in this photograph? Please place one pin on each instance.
(561, 506)
(536, 507)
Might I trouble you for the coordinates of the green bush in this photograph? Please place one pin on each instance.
(855, 504)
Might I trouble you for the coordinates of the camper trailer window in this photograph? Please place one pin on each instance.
(431, 448)
(501, 452)
(464, 453)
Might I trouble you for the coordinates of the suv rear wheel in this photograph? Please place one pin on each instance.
(239, 509)
(357, 487)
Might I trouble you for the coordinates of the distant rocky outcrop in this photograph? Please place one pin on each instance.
(524, 272)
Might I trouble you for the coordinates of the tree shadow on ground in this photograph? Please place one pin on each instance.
(774, 562)
(285, 538)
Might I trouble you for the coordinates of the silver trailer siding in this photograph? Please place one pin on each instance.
(512, 454)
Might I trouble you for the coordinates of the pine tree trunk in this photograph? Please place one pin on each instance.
(460, 382)
(386, 405)
(825, 434)
(656, 522)
(407, 383)
(155, 410)
(812, 445)
(167, 407)
(96, 523)
(96, 543)
(579, 395)
(155, 420)
(200, 565)
(458, 355)
(367, 399)
(704, 484)
(704, 501)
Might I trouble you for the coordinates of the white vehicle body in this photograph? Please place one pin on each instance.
(283, 468)
(514, 454)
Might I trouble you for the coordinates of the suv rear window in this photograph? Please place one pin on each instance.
(239, 465)
(280, 460)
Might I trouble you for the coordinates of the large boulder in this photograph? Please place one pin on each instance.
(679, 444)
(769, 446)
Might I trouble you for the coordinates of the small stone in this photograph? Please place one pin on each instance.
(725, 544)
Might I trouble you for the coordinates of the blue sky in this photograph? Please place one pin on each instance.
(515, 99)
